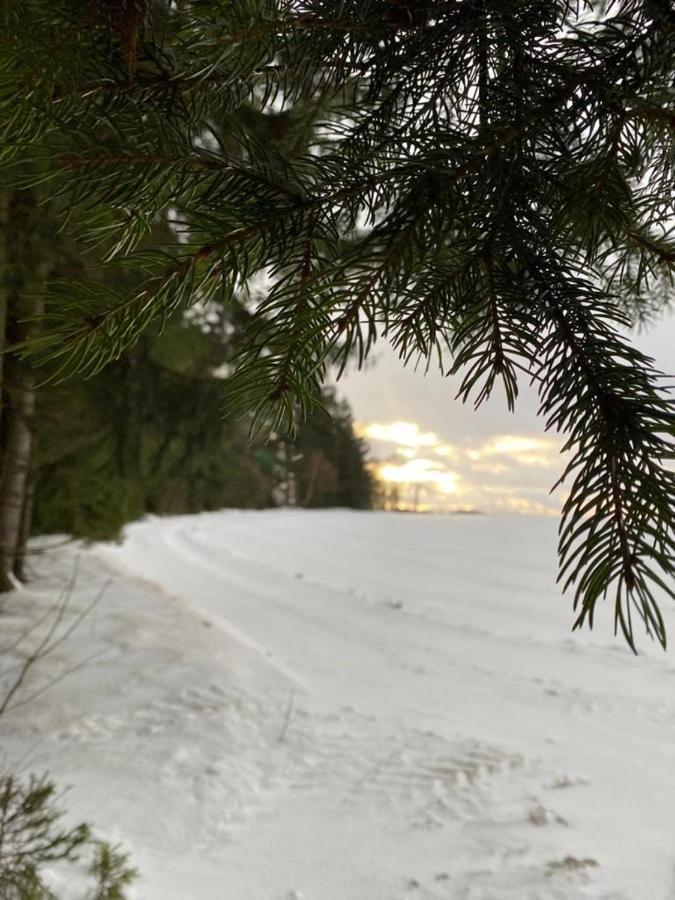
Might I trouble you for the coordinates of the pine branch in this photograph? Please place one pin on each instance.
(493, 179)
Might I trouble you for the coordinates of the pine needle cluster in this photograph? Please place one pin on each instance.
(488, 183)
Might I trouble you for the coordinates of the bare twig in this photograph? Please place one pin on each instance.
(288, 715)
(49, 642)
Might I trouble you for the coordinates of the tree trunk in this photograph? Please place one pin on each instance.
(4, 209)
(20, 568)
(26, 272)
(15, 469)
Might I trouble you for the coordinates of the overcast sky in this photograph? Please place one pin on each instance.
(487, 459)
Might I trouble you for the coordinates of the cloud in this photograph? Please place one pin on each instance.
(446, 450)
(514, 444)
(507, 473)
(406, 434)
(522, 449)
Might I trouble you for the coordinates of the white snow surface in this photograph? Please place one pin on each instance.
(334, 705)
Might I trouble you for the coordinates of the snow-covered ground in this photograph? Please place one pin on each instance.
(351, 706)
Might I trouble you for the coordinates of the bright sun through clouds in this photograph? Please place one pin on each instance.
(509, 472)
(420, 471)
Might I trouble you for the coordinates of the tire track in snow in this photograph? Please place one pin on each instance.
(489, 805)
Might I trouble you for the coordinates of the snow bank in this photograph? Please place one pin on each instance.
(352, 706)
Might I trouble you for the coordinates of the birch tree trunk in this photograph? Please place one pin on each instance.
(4, 209)
(20, 568)
(26, 272)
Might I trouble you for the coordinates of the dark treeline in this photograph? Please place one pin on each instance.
(148, 435)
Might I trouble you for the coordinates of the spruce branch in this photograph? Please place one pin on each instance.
(489, 182)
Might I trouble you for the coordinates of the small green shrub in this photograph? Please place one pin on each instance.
(33, 838)
(111, 871)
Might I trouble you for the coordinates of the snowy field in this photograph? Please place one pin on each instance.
(333, 705)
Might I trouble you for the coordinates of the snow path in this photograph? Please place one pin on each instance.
(359, 706)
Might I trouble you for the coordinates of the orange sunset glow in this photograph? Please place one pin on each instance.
(507, 473)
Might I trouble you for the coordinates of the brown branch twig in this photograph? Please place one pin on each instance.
(50, 641)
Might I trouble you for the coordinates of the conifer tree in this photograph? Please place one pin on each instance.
(487, 182)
